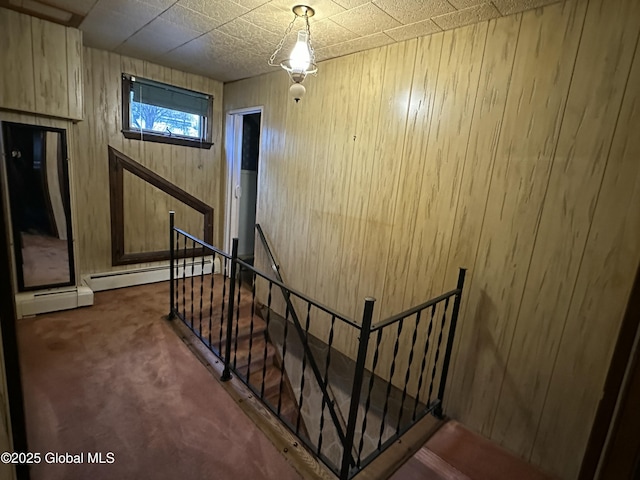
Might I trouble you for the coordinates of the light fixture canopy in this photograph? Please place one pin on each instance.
(301, 60)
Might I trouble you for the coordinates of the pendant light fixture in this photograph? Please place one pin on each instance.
(301, 60)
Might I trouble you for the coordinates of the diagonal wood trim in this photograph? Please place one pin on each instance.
(118, 163)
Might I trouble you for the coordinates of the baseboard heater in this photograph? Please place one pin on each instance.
(34, 303)
(160, 273)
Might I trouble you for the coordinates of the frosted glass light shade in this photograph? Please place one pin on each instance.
(300, 57)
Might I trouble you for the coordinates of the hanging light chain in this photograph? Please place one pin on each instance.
(311, 50)
(284, 37)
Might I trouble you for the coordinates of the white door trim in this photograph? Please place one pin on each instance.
(233, 159)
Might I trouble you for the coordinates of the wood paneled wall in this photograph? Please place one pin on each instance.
(41, 66)
(507, 147)
(146, 208)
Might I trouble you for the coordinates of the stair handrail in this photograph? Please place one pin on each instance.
(300, 331)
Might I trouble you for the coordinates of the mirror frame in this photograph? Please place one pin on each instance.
(66, 200)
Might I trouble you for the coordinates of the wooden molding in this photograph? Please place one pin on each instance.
(118, 163)
(74, 21)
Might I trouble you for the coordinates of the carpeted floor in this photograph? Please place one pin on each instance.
(45, 260)
(115, 377)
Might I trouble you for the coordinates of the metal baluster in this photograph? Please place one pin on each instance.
(452, 333)
(193, 261)
(424, 360)
(284, 354)
(266, 340)
(184, 281)
(176, 278)
(253, 310)
(326, 382)
(304, 366)
(226, 374)
(235, 344)
(201, 291)
(171, 265)
(435, 361)
(358, 377)
(223, 300)
(391, 372)
(368, 403)
(407, 375)
(213, 260)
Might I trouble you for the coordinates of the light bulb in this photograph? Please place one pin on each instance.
(300, 57)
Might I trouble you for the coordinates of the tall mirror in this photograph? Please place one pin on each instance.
(37, 178)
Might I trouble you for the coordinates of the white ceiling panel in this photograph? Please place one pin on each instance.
(460, 18)
(233, 39)
(411, 11)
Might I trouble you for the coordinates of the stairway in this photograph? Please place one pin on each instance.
(252, 351)
(456, 453)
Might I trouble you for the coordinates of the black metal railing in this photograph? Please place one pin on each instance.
(346, 407)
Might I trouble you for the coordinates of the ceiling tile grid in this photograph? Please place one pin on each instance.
(467, 16)
(411, 11)
(413, 30)
(233, 39)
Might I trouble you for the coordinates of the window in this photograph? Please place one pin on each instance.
(158, 112)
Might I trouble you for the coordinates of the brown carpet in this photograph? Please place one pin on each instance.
(115, 377)
(45, 260)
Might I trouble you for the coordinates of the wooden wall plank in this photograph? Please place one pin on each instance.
(485, 208)
(423, 93)
(357, 175)
(50, 67)
(74, 73)
(592, 108)
(495, 78)
(17, 90)
(387, 161)
(42, 66)
(533, 116)
(147, 212)
(608, 266)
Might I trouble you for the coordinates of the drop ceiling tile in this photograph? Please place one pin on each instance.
(106, 29)
(272, 19)
(162, 4)
(460, 4)
(411, 11)
(323, 8)
(81, 7)
(508, 7)
(250, 4)
(186, 17)
(352, 46)
(221, 11)
(156, 38)
(327, 32)
(212, 56)
(365, 20)
(351, 3)
(250, 37)
(141, 11)
(413, 30)
(459, 18)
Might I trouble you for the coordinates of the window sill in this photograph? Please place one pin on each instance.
(150, 137)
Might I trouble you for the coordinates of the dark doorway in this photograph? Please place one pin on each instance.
(249, 186)
(617, 417)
